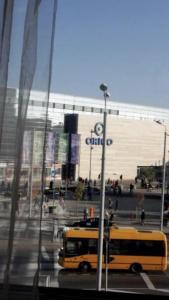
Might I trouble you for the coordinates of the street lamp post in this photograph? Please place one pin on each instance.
(163, 184)
(103, 88)
(164, 176)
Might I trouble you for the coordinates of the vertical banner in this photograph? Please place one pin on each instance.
(50, 147)
(62, 144)
(38, 148)
(75, 145)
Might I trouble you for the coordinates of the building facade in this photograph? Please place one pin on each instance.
(130, 143)
(135, 139)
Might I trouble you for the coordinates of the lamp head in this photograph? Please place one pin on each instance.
(103, 87)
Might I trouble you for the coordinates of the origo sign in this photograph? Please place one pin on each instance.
(98, 130)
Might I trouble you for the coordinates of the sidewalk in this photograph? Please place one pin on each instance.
(74, 211)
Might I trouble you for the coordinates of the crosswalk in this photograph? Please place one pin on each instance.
(23, 269)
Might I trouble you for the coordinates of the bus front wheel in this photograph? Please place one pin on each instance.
(84, 266)
(135, 268)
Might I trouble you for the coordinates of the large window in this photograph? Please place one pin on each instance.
(136, 247)
(75, 246)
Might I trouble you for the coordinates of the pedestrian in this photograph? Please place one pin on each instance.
(116, 205)
(142, 217)
(131, 188)
(110, 204)
(89, 192)
(107, 214)
(51, 185)
(17, 204)
(111, 218)
(62, 202)
(45, 208)
(85, 214)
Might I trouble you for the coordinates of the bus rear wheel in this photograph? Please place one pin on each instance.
(135, 268)
(84, 267)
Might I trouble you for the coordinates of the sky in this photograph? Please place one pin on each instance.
(122, 43)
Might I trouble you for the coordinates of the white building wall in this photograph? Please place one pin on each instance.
(138, 140)
(135, 143)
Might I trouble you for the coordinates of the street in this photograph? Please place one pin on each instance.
(25, 251)
(24, 268)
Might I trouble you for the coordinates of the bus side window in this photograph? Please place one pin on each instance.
(81, 246)
(114, 247)
(92, 246)
(152, 248)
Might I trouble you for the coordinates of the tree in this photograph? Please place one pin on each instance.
(148, 173)
(79, 190)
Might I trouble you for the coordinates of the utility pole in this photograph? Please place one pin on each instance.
(103, 88)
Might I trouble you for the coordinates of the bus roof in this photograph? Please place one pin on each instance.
(116, 232)
(134, 233)
(82, 232)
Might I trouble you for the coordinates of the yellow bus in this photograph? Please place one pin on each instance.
(128, 249)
